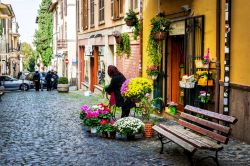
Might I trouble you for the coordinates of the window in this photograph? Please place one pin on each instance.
(92, 12)
(101, 10)
(84, 14)
(61, 9)
(116, 9)
(65, 7)
(134, 4)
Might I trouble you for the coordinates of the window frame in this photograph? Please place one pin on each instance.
(117, 9)
(92, 13)
(101, 12)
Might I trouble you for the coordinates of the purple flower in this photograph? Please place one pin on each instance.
(85, 108)
(124, 87)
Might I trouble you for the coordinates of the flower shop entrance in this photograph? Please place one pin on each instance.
(183, 47)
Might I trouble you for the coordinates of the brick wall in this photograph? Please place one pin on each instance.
(131, 66)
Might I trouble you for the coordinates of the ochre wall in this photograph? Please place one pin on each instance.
(240, 42)
(207, 8)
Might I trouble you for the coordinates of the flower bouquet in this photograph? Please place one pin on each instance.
(187, 81)
(153, 70)
(136, 88)
(129, 126)
(204, 96)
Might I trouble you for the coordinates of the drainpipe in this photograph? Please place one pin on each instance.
(77, 47)
(227, 57)
(217, 77)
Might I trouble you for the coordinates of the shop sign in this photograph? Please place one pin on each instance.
(177, 28)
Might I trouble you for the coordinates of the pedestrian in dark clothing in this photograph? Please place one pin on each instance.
(36, 79)
(48, 80)
(54, 80)
(117, 78)
(19, 74)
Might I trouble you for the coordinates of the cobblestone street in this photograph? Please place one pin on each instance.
(43, 128)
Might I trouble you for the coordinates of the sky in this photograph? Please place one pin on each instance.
(26, 13)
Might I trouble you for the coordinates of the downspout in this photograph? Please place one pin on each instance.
(141, 37)
(226, 93)
(77, 47)
(217, 77)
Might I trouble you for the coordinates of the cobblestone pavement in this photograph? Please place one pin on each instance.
(43, 128)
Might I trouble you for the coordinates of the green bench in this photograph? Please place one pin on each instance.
(197, 130)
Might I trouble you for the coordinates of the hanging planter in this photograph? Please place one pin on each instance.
(131, 18)
(130, 22)
(118, 39)
(159, 35)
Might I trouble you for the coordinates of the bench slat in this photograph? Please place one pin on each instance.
(207, 123)
(225, 118)
(203, 131)
(175, 139)
(194, 139)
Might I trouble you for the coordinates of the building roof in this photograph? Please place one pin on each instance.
(6, 11)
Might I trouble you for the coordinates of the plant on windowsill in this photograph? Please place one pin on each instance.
(63, 85)
(159, 28)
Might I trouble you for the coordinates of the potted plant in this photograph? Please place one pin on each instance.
(63, 85)
(129, 126)
(107, 129)
(147, 108)
(172, 107)
(160, 26)
(204, 97)
(136, 88)
(153, 71)
(118, 37)
(131, 18)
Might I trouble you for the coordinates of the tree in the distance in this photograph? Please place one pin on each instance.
(43, 36)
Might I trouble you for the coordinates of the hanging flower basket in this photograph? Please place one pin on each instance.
(159, 35)
(118, 39)
(131, 22)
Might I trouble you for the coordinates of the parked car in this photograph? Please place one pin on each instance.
(11, 83)
(42, 78)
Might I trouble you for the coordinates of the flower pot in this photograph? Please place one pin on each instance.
(93, 130)
(63, 87)
(130, 137)
(112, 135)
(118, 39)
(154, 77)
(130, 22)
(159, 35)
(148, 130)
(104, 135)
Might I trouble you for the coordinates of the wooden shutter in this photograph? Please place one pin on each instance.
(92, 12)
(112, 9)
(101, 10)
(84, 14)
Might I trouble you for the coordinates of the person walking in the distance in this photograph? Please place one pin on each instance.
(117, 78)
(48, 80)
(36, 79)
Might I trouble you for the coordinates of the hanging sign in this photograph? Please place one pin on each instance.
(177, 28)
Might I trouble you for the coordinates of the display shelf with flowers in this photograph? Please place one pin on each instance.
(129, 126)
(204, 62)
(136, 88)
(153, 71)
(187, 81)
(205, 78)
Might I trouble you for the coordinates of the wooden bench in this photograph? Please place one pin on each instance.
(195, 133)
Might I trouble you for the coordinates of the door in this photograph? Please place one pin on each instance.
(177, 63)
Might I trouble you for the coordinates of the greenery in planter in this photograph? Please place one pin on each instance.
(131, 16)
(124, 47)
(63, 80)
(159, 24)
(137, 29)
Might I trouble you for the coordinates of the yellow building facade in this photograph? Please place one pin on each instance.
(197, 26)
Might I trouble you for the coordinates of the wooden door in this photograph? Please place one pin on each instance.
(93, 69)
(177, 61)
(81, 66)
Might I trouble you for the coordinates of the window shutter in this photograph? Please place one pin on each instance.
(85, 14)
(112, 9)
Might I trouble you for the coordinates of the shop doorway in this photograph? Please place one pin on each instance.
(177, 70)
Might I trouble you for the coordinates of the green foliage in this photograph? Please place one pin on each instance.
(160, 24)
(124, 47)
(154, 49)
(1, 29)
(43, 36)
(92, 122)
(63, 80)
(137, 29)
(28, 58)
(108, 128)
(131, 15)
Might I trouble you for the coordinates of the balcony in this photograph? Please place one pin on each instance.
(61, 43)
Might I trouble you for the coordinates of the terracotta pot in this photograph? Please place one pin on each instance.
(63, 87)
(130, 22)
(148, 130)
(118, 39)
(159, 35)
